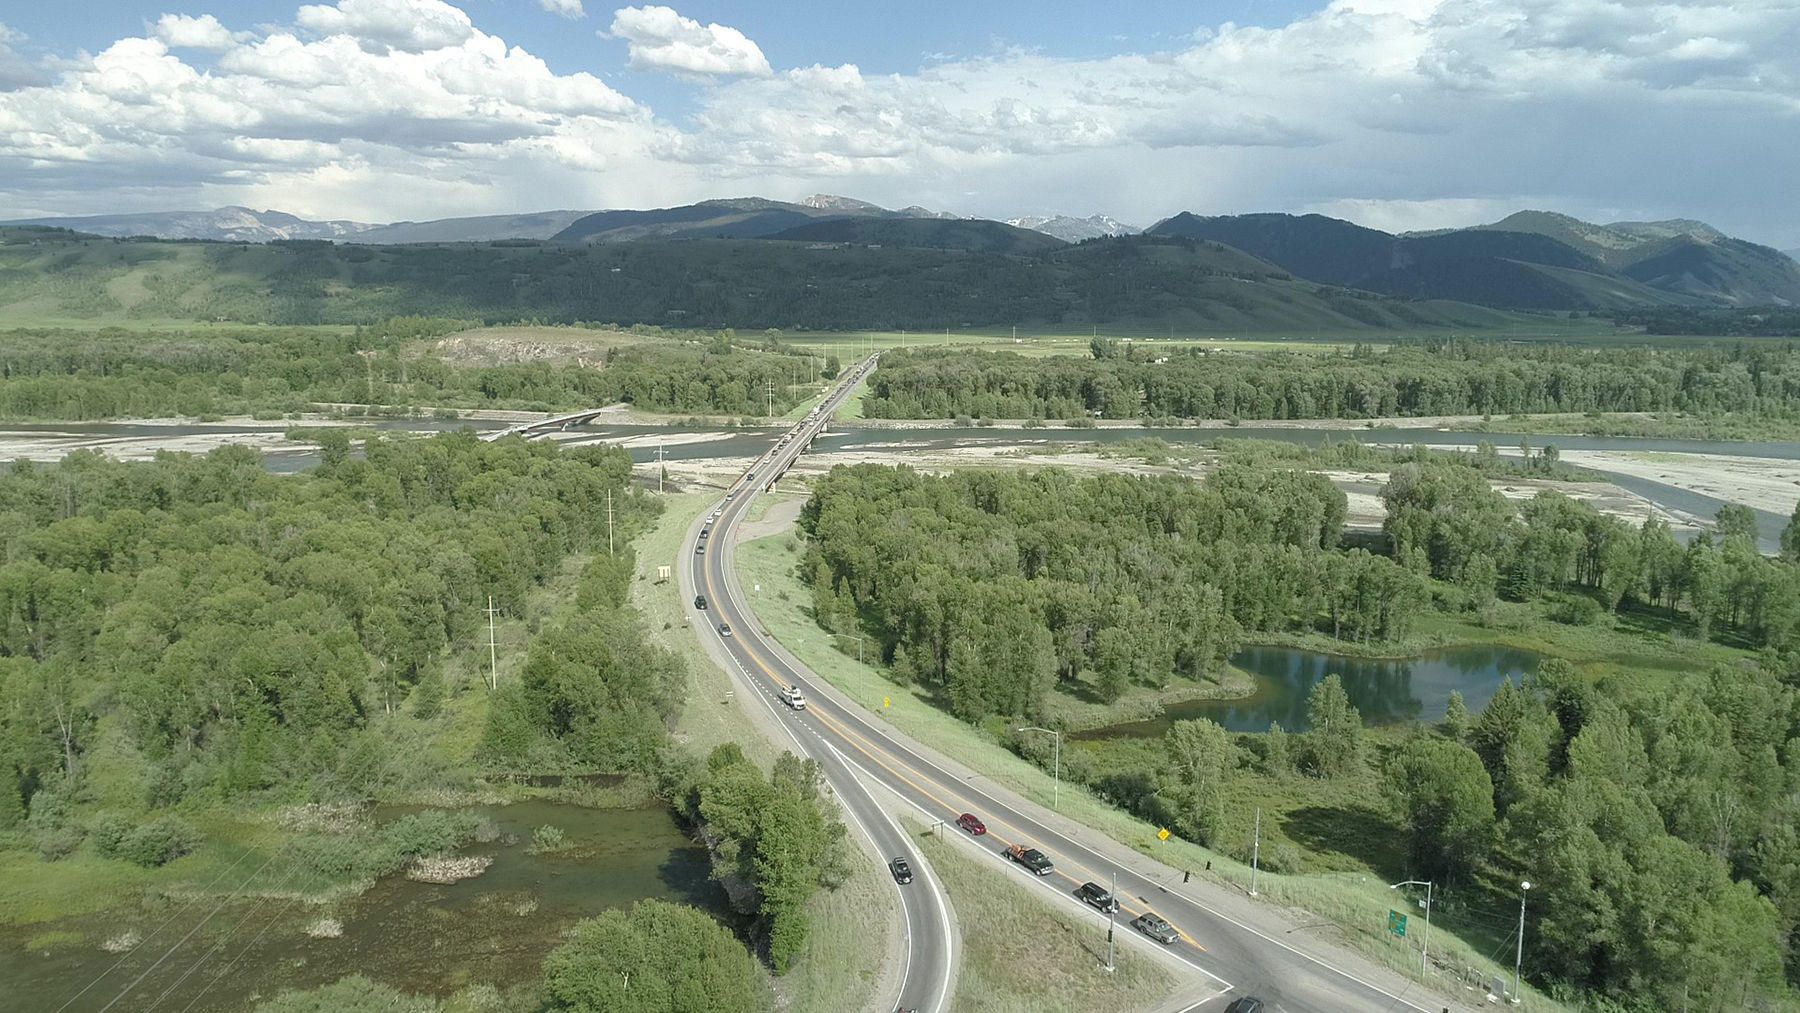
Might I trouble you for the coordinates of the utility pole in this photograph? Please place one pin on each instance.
(1112, 920)
(1425, 950)
(1255, 851)
(493, 648)
(609, 523)
(662, 468)
(771, 400)
(1519, 952)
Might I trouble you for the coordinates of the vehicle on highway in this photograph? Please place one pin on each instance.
(1245, 1005)
(699, 550)
(724, 629)
(902, 872)
(973, 825)
(1031, 858)
(1097, 897)
(700, 601)
(705, 531)
(1156, 927)
(792, 696)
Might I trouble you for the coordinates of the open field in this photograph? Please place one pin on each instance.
(495, 346)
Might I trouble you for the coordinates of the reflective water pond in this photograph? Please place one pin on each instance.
(1384, 691)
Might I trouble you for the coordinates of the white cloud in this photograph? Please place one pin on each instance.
(179, 31)
(662, 39)
(15, 70)
(411, 26)
(1398, 113)
(571, 9)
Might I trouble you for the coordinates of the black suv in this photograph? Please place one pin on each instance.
(1245, 1005)
(700, 601)
(902, 872)
(1097, 897)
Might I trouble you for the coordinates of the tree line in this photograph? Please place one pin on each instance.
(1447, 378)
(112, 373)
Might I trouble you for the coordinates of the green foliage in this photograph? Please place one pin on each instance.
(1198, 757)
(659, 958)
(1444, 378)
(999, 586)
(353, 994)
(547, 838)
(376, 851)
(112, 373)
(778, 837)
(1447, 804)
(150, 844)
(1334, 746)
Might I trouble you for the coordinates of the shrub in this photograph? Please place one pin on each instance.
(547, 838)
(159, 842)
(1576, 610)
(964, 421)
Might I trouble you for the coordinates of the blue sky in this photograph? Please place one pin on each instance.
(1394, 113)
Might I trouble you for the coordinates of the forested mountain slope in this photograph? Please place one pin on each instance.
(745, 284)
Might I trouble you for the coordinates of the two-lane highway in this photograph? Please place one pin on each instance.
(930, 941)
(1226, 954)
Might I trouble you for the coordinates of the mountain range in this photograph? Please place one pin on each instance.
(1530, 260)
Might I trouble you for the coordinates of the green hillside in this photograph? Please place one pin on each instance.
(48, 276)
(974, 234)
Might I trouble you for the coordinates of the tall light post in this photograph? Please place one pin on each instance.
(1055, 766)
(1519, 953)
(1424, 950)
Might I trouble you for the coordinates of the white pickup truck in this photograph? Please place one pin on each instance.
(792, 696)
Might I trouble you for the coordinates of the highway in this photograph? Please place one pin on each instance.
(1227, 957)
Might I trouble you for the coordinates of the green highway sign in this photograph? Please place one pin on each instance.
(1397, 924)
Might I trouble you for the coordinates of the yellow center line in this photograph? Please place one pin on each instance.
(851, 739)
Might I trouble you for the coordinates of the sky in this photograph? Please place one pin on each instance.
(1398, 114)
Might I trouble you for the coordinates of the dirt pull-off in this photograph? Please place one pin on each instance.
(499, 346)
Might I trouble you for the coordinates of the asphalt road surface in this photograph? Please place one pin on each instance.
(926, 974)
(1228, 957)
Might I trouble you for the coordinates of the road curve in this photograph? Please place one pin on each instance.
(1229, 956)
(930, 940)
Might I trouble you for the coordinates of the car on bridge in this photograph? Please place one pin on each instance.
(902, 872)
(1156, 927)
(969, 822)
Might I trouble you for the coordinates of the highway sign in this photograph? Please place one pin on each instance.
(1397, 924)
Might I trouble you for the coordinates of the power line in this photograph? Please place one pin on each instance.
(216, 947)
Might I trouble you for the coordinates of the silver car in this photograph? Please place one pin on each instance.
(1153, 925)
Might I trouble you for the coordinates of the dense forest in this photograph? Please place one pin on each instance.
(1446, 378)
(195, 639)
(751, 285)
(1657, 813)
(69, 375)
(1754, 321)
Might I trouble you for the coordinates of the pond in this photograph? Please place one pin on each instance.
(419, 937)
(1385, 691)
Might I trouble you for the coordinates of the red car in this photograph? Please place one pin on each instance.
(974, 826)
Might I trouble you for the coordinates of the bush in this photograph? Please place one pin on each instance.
(159, 842)
(1079, 422)
(984, 421)
(1034, 423)
(547, 838)
(964, 421)
(1576, 610)
(445, 414)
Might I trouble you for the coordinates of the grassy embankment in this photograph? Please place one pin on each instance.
(1022, 954)
(1354, 897)
(847, 939)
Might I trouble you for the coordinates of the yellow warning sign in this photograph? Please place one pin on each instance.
(1162, 835)
(886, 700)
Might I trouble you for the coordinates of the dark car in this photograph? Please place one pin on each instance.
(1153, 925)
(724, 629)
(700, 601)
(705, 531)
(1097, 897)
(969, 822)
(1245, 1005)
(902, 872)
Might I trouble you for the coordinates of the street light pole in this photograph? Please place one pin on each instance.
(1055, 766)
(1519, 953)
(1425, 950)
(1112, 919)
